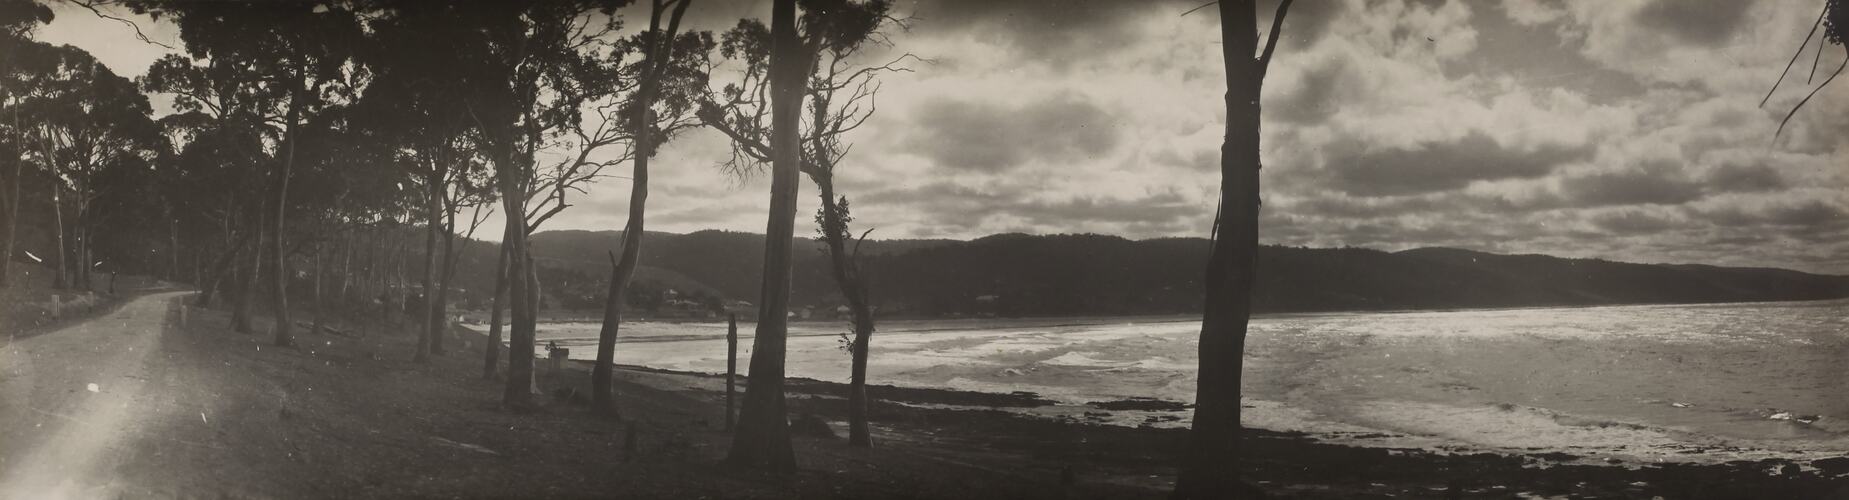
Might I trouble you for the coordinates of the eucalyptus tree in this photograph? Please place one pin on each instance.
(411, 102)
(1210, 465)
(296, 56)
(88, 119)
(536, 77)
(219, 139)
(18, 20)
(669, 78)
(762, 438)
(841, 89)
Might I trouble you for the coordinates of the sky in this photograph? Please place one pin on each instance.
(1626, 130)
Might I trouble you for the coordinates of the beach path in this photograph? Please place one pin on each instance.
(112, 406)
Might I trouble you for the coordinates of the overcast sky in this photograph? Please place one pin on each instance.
(1626, 130)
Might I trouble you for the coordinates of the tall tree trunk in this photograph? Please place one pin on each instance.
(64, 278)
(247, 278)
(280, 292)
(173, 244)
(439, 307)
(731, 367)
(1211, 464)
(624, 268)
(849, 281)
(491, 358)
(763, 437)
(12, 202)
(433, 222)
(315, 324)
(518, 392)
(12, 218)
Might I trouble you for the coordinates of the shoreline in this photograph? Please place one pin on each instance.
(1159, 414)
(376, 424)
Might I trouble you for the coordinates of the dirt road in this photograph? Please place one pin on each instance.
(106, 407)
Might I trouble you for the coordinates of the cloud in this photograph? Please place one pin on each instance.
(1658, 185)
(1631, 222)
(1702, 22)
(1745, 178)
(1358, 169)
(991, 136)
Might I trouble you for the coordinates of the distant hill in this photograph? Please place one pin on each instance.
(1106, 275)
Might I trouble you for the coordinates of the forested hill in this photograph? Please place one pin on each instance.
(1093, 275)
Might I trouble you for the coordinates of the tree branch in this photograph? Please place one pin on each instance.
(1271, 43)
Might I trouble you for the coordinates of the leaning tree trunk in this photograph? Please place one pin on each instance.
(1210, 468)
(854, 288)
(659, 53)
(621, 270)
(763, 437)
(491, 358)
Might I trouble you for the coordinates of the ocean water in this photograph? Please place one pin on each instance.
(1634, 383)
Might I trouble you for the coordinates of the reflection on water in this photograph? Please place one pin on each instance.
(1680, 382)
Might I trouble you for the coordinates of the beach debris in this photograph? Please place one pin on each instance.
(466, 446)
(1681, 405)
(94, 388)
(1805, 419)
(1783, 415)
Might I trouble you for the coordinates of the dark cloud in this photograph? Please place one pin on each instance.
(1654, 184)
(959, 205)
(1357, 169)
(1744, 179)
(1631, 222)
(1703, 22)
(1314, 99)
(1538, 56)
(994, 136)
(1054, 32)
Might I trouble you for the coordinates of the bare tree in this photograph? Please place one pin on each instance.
(1209, 469)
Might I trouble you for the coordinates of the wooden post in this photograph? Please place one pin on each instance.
(731, 365)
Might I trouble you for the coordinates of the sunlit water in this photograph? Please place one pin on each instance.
(1674, 382)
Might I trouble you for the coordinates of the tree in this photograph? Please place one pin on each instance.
(1211, 461)
(668, 79)
(18, 18)
(530, 71)
(763, 437)
(89, 120)
(1835, 21)
(295, 56)
(841, 92)
(410, 103)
